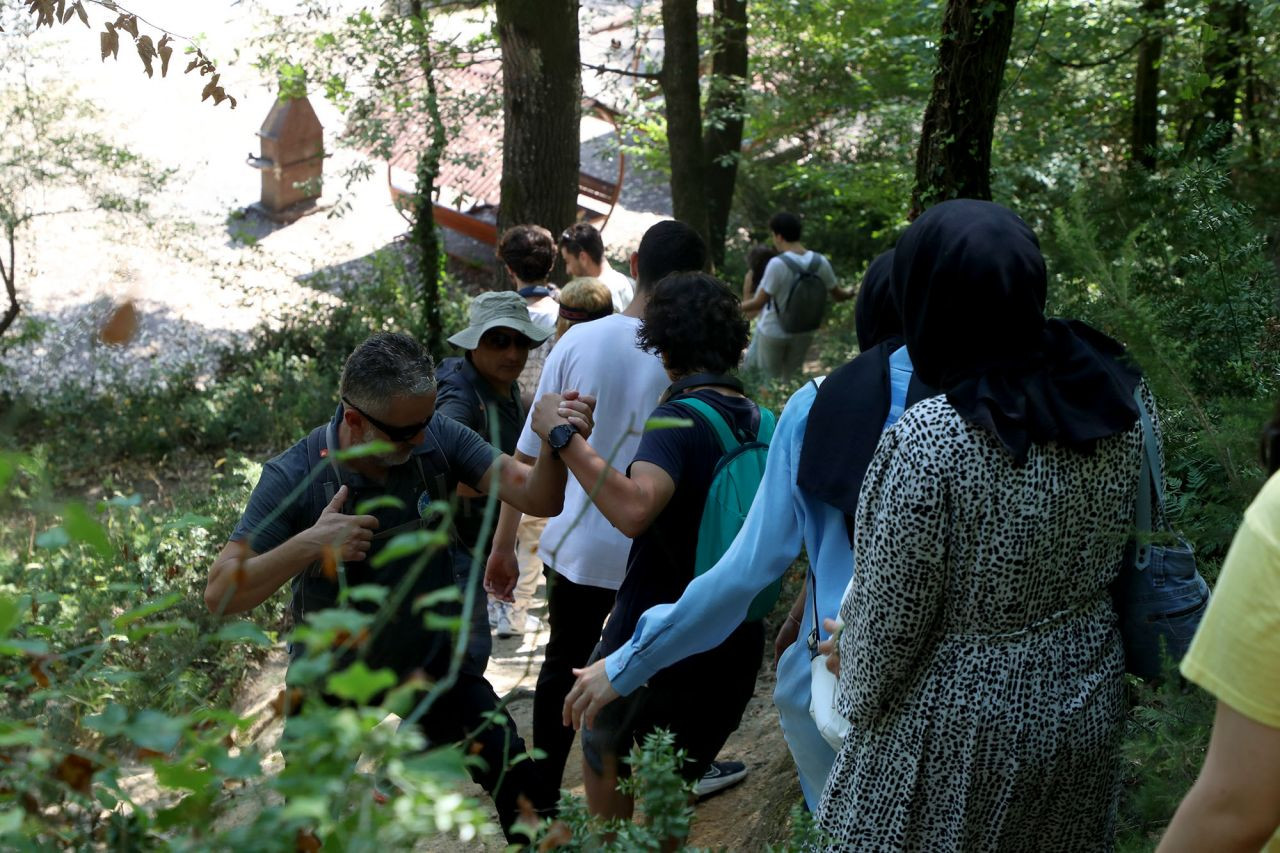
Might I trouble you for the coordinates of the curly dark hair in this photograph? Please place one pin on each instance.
(694, 323)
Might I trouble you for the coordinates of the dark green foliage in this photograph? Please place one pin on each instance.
(1176, 268)
(1164, 746)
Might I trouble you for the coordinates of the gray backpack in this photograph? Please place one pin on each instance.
(801, 303)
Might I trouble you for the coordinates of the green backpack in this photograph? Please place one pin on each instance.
(733, 487)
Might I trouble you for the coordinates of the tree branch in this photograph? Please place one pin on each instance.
(1095, 63)
(643, 75)
(1044, 19)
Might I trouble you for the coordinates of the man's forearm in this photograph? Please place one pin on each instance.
(545, 487)
(504, 532)
(233, 591)
(613, 493)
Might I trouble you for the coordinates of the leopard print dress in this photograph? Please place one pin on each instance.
(981, 666)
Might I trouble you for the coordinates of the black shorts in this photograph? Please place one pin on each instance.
(700, 701)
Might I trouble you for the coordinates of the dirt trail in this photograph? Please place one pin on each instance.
(745, 817)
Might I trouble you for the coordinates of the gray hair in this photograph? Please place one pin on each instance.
(387, 365)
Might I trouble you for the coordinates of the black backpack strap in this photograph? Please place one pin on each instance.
(328, 481)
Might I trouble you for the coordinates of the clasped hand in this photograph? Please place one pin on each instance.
(568, 407)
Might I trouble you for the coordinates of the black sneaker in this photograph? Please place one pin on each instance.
(720, 775)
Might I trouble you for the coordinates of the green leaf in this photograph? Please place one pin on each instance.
(407, 544)
(182, 776)
(20, 737)
(306, 669)
(380, 502)
(11, 821)
(242, 631)
(373, 448)
(336, 619)
(189, 520)
(666, 423)
(10, 614)
(111, 721)
(154, 730)
(368, 592)
(246, 765)
(53, 538)
(436, 622)
(82, 528)
(437, 596)
(15, 648)
(359, 683)
(8, 467)
(145, 610)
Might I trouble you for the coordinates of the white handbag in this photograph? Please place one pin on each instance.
(822, 683)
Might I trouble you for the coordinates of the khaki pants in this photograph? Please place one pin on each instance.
(527, 537)
(781, 358)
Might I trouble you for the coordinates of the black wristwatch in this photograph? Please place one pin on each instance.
(559, 438)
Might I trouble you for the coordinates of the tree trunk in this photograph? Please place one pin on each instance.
(9, 275)
(1248, 111)
(1229, 23)
(1146, 98)
(541, 98)
(954, 159)
(423, 234)
(726, 110)
(680, 89)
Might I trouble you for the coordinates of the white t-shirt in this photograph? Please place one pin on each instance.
(600, 358)
(622, 288)
(777, 273)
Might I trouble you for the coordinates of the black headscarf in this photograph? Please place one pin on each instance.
(876, 317)
(973, 288)
(849, 412)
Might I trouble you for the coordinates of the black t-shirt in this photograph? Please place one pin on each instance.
(467, 454)
(281, 507)
(661, 561)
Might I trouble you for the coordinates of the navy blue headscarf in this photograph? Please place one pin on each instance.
(849, 412)
(973, 288)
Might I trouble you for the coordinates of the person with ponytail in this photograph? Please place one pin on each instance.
(1234, 804)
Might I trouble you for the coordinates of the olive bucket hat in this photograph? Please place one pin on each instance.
(503, 309)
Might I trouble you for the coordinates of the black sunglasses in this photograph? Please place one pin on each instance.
(395, 433)
(502, 340)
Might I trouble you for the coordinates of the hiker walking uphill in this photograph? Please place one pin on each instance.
(792, 299)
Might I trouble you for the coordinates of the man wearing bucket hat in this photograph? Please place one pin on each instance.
(479, 390)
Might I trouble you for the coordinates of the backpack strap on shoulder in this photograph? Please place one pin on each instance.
(714, 419)
(764, 433)
(320, 445)
(792, 264)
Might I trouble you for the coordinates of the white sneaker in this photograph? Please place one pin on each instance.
(504, 628)
(523, 621)
(494, 609)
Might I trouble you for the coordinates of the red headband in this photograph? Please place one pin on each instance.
(578, 315)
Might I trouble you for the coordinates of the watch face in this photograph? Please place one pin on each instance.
(560, 436)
